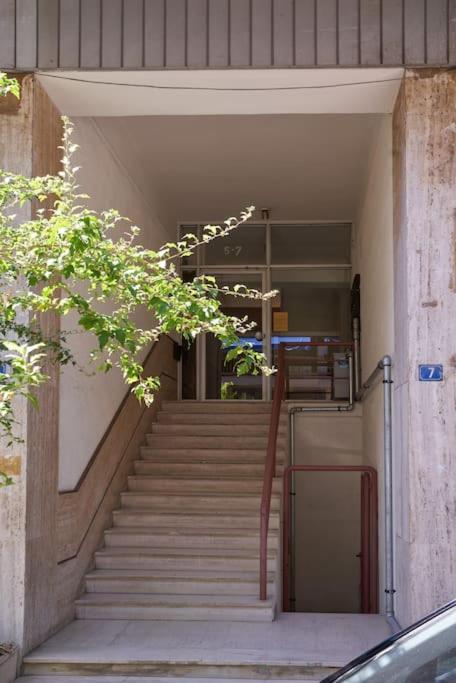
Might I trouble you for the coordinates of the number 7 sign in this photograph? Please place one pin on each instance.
(430, 373)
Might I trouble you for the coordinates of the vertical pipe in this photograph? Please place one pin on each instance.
(374, 541)
(365, 534)
(388, 475)
(350, 378)
(292, 496)
(356, 355)
(285, 543)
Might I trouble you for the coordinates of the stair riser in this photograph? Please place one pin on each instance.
(260, 431)
(181, 563)
(241, 407)
(178, 587)
(210, 470)
(209, 504)
(136, 540)
(209, 455)
(183, 486)
(138, 612)
(204, 672)
(165, 417)
(149, 520)
(211, 442)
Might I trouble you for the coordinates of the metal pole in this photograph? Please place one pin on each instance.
(388, 475)
(292, 596)
(356, 355)
(350, 379)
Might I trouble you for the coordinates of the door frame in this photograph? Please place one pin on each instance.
(262, 272)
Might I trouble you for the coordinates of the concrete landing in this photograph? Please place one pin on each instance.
(295, 646)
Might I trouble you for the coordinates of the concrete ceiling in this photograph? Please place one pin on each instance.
(309, 167)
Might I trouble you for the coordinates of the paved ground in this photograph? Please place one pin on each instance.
(321, 640)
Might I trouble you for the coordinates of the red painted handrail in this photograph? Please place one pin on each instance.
(369, 532)
(269, 472)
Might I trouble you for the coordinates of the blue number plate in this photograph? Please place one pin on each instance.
(430, 373)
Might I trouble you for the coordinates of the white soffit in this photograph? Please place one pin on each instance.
(286, 91)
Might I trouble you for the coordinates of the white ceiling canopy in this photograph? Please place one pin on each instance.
(223, 92)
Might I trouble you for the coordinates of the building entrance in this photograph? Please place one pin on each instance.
(309, 265)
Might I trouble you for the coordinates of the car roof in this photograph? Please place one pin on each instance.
(384, 644)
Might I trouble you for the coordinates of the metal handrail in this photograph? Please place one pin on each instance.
(369, 534)
(269, 472)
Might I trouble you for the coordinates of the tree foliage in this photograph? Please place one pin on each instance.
(8, 85)
(71, 260)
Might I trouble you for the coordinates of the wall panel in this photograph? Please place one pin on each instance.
(26, 17)
(155, 34)
(349, 32)
(197, 33)
(111, 34)
(304, 27)
(240, 32)
(132, 44)
(370, 31)
(326, 37)
(175, 37)
(90, 34)
(392, 28)
(218, 27)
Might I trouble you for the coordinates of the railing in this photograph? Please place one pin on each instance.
(317, 370)
(269, 472)
(369, 535)
(282, 383)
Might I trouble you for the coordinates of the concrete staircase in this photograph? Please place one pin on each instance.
(185, 541)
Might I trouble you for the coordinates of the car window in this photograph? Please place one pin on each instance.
(425, 655)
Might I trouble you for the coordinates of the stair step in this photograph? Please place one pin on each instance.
(202, 470)
(186, 485)
(149, 519)
(214, 503)
(173, 607)
(195, 429)
(237, 456)
(221, 418)
(205, 538)
(212, 441)
(242, 407)
(128, 558)
(179, 583)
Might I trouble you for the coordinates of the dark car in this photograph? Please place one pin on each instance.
(422, 653)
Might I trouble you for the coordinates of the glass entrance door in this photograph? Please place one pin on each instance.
(219, 378)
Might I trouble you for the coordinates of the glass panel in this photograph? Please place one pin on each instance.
(311, 244)
(244, 246)
(425, 655)
(221, 379)
(311, 313)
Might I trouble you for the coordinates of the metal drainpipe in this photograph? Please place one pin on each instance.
(356, 355)
(291, 413)
(388, 475)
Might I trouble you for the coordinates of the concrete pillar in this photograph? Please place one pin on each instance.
(29, 136)
(424, 137)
